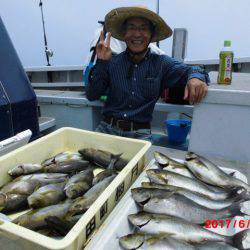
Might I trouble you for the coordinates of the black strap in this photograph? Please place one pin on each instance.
(92, 59)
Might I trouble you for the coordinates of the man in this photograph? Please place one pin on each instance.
(134, 79)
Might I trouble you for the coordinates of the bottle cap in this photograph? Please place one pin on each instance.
(227, 43)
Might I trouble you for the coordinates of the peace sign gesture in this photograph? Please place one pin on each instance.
(103, 50)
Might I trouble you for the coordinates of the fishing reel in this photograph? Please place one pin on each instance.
(49, 52)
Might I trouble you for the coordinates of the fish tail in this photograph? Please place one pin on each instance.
(238, 209)
(239, 193)
(241, 240)
(242, 195)
(116, 156)
(245, 207)
(114, 159)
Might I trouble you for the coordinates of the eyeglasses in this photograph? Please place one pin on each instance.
(143, 28)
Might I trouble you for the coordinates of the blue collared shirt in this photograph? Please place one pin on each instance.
(133, 89)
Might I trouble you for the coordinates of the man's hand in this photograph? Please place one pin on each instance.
(103, 50)
(195, 91)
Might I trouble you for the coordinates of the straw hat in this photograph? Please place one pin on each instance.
(116, 17)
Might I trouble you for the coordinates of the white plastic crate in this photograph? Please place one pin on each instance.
(13, 236)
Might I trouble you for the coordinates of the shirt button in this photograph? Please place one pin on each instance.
(125, 115)
(130, 105)
(134, 79)
(136, 65)
(133, 92)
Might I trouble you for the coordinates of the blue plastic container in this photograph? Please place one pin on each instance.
(178, 130)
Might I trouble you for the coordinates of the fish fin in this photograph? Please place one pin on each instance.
(164, 234)
(154, 239)
(241, 240)
(142, 225)
(239, 192)
(239, 208)
(37, 187)
(245, 195)
(30, 177)
(232, 174)
(103, 151)
(159, 236)
(190, 156)
(170, 194)
(117, 155)
(245, 207)
(114, 159)
(142, 203)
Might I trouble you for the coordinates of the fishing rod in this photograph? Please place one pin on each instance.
(158, 13)
(48, 52)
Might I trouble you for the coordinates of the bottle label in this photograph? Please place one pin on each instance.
(225, 68)
(228, 69)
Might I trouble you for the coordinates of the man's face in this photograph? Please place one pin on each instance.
(137, 34)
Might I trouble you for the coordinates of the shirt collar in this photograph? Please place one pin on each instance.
(128, 54)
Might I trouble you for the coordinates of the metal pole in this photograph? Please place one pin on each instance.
(157, 6)
(158, 11)
(44, 34)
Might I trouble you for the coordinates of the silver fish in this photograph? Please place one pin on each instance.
(164, 160)
(173, 179)
(26, 168)
(210, 173)
(102, 175)
(47, 195)
(103, 158)
(170, 203)
(84, 176)
(62, 226)
(185, 231)
(79, 184)
(70, 166)
(172, 165)
(83, 203)
(20, 187)
(35, 219)
(133, 241)
(179, 170)
(153, 242)
(43, 179)
(77, 189)
(64, 156)
(12, 202)
(196, 197)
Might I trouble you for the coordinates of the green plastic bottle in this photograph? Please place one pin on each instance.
(226, 63)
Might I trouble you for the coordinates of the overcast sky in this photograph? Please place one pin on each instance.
(70, 26)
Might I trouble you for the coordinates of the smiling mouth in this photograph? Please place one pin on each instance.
(137, 42)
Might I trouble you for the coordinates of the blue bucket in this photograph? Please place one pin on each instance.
(178, 130)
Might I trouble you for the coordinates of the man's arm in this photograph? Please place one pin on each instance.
(99, 77)
(194, 78)
(98, 80)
